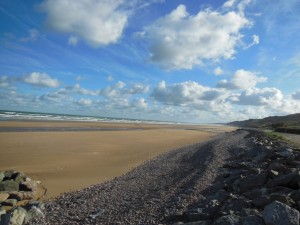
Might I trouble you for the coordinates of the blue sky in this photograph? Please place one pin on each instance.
(191, 61)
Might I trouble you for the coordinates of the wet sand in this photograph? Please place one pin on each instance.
(67, 160)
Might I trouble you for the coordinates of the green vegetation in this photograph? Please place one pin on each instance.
(291, 130)
(276, 136)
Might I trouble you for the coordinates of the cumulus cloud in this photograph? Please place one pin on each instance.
(41, 79)
(54, 97)
(218, 71)
(229, 3)
(98, 22)
(75, 89)
(84, 102)
(5, 82)
(180, 40)
(140, 103)
(183, 93)
(271, 97)
(242, 79)
(296, 95)
(119, 90)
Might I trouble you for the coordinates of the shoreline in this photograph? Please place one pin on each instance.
(71, 160)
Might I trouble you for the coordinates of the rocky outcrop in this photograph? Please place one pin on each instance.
(19, 198)
(259, 185)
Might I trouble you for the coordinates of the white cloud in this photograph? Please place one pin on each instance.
(80, 78)
(119, 90)
(296, 95)
(110, 78)
(242, 79)
(98, 22)
(140, 103)
(75, 89)
(32, 36)
(183, 94)
(5, 82)
(84, 102)
(255, 41)
(180, 40)
(55, 97)
(271, 97)
(229, 3)
(218, 71)
(137, 88)
(73, 40)
(41, 79)
(242, 5)
(289, 106)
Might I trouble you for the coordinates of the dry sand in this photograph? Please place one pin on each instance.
(66, 161)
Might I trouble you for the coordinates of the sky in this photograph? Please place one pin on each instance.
(198, 61)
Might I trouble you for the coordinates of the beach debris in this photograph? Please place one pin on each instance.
(18, 198)
(97, 213)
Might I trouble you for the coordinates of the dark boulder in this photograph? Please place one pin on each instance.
(278, 213)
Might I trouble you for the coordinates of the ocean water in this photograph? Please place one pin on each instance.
(18, 115)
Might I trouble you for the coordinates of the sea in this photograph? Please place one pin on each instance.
(38, 116)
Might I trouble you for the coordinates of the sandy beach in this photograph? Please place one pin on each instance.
(68, 156)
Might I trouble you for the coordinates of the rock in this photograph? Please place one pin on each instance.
(296, 195)
(257, 193)
(228, 220)
(21, 195)
(9, 174)
(294, 163)
(3, 196)
(207, 222)
(192, 217)
(249, 212)
(2, 212)
(19, 177)
(278, 213)
(287, 180)
(9, 202)
(9, 185)
(221, 195)
(286, 154)
(279, 167)
(37, 204)
(262, 201)
(212, 208)
(236, 204)
(282, 190)
(253, 181)
(2, 175)
(252, 220)
(260, 157)
(274, 173)
(18, 216)
(30, 185)
(173, 216)
(4, 217)
(197, 214)
(34, 213)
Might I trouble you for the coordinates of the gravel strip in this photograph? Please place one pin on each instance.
(151, 193)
